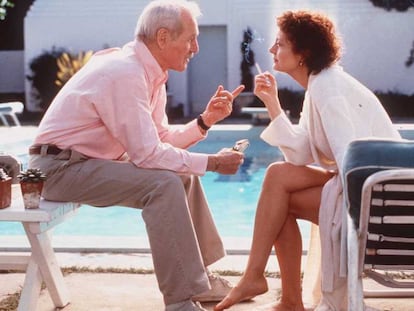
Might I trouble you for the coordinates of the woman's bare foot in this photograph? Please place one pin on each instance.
(280, 306)
(246, 289)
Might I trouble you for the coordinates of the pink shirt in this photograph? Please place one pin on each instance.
(116, 104)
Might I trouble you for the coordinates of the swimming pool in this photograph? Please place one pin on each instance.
(232, 198)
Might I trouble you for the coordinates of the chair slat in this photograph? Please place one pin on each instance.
(380, 202)
(394, 252)
(404, 219)
(384, 238)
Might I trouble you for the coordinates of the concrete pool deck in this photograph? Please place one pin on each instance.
(126, 291)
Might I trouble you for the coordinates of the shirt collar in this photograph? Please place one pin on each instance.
(150, 64)
(334, 66)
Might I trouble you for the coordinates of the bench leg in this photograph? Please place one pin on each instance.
(44, 256)
(31, 288)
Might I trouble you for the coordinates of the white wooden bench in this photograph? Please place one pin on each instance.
(257, 113)
(41, 264)
(9, 110)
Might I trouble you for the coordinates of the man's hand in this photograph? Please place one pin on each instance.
(220, 105)
(225, 162)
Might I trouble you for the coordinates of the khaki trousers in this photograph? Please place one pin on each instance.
(180, 228)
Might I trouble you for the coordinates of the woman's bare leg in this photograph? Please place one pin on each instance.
(282, 180)
(288, 247)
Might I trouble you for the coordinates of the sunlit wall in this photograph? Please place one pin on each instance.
(377, 42)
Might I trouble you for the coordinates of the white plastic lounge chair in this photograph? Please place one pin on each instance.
(379, 190)
(9, 110)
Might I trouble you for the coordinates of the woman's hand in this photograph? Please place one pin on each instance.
(266, 89)
(220, 105)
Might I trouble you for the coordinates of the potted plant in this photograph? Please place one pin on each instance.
(31, 184)
(5, 189)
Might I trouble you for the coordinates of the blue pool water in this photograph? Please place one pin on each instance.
(232, 198)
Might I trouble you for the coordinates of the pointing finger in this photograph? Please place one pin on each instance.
(237, 90)
(219, 89)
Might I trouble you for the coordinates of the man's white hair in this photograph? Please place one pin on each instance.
(164, 14)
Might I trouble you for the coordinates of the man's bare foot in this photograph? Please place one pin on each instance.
(246, 289)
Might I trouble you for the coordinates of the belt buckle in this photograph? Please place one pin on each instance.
(43, 150)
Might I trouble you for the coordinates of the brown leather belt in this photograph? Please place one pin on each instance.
(51, 149)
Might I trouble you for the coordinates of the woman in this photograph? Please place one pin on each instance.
(336, 110)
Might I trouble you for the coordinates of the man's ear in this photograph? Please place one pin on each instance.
(162, 37)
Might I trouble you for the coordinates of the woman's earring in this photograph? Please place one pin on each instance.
(301, 63)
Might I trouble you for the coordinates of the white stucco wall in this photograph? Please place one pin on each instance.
(376, 42)
(11, 71)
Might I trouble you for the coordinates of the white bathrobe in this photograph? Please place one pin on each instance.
(337, 109)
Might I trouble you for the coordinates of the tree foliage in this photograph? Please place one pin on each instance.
(400, 6)
(4, 5)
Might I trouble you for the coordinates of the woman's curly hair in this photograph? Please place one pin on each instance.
(312, 35)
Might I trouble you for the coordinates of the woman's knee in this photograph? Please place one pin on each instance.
(296, 177)
(278, 168)
(277, 172)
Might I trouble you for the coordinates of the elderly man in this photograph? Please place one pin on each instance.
(105, 140)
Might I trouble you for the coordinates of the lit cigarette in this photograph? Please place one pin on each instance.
(259, 70)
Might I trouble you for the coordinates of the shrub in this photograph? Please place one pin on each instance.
(44, 70)
(51, 70)
(69, 64)
(397, 105)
